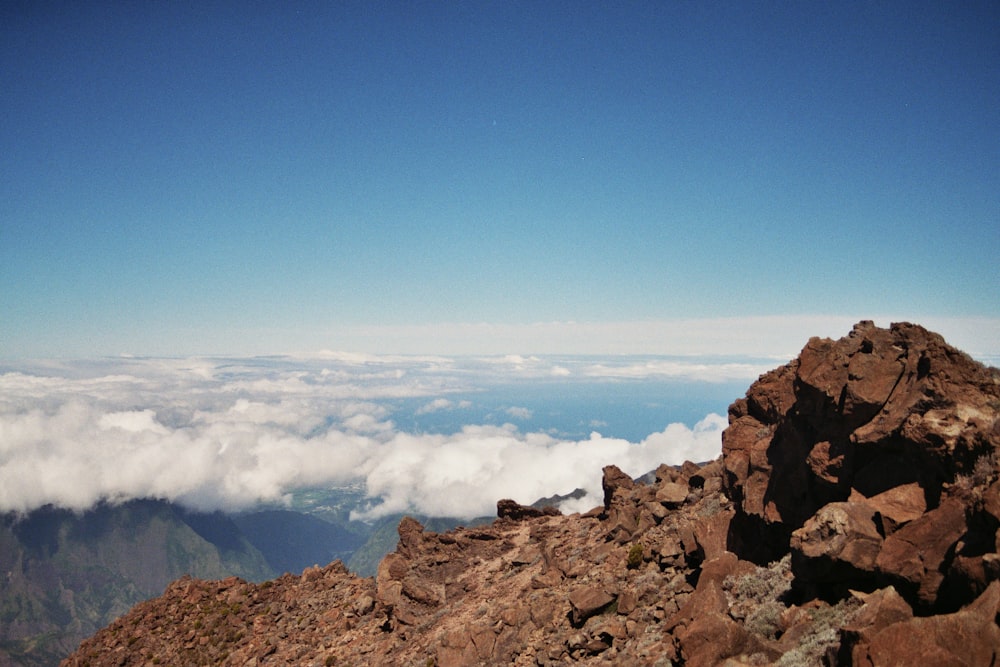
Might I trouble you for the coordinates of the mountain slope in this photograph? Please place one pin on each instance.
(292, 541)
(65, 575)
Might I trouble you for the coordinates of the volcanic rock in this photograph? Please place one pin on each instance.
(839, 543)
(967, 637)
(879, 438)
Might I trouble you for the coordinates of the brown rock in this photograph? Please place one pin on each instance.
(665, 473)
(967, 637)
(713, 637)
(709, 471)
(709, 596)
(410, 534)
(826, 460)
(363, 605)
(991, 501)
(456, 649)
(825, 447)
(838, 545)
(915, 555)
(876, 410)
(511, 509)
(881, 609)
(712, 534)
(900, 504)
(672, 494)
(613, 480)
(588, 601)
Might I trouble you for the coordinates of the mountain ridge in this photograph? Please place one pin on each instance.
(852, 519)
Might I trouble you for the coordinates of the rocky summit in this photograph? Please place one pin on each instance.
(851, 520)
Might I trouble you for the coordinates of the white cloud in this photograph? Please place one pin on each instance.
(228, 433)
(436, 405)
(519, 412)
(465, 474)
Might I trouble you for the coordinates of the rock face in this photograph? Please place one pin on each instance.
(870, 457)
(852, 519)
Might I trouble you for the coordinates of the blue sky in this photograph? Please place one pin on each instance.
(243, 178)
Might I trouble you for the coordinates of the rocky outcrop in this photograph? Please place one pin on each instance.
(533, 588)
(870, 458)
(852, 519)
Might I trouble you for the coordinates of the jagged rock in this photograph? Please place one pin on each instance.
(708, 596)
(991, 501)
(967, 637)
(705, 474)
(915, 554)
(898, 505)
(363, 605)
(672, 494)
(871, 411)
(891, 420)
(705, 632)
(713, 637)
(410, 532)
(837, 545)
(588, 601)
(711, 534)
(880, 609)
(613, 480)
(624, 517)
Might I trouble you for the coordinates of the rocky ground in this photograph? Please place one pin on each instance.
(851, 520)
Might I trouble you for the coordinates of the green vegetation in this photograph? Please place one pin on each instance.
(822, 634)
(634, 559)
(757, 598)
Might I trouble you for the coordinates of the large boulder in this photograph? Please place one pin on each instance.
(967, 637)
(838, 545)
(871, 455)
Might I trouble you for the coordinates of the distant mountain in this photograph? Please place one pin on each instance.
(292, 541)
(64, 575)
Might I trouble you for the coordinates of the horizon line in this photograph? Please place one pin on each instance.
(757, 336)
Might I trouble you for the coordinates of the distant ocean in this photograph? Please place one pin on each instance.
(627, 409)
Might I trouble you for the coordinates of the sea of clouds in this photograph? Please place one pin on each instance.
(216, 433)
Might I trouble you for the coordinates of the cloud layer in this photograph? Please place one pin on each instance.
(229, 433)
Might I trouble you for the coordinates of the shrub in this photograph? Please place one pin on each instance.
(634, 556)
(757, 598)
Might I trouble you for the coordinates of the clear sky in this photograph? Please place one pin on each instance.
(251, 177)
